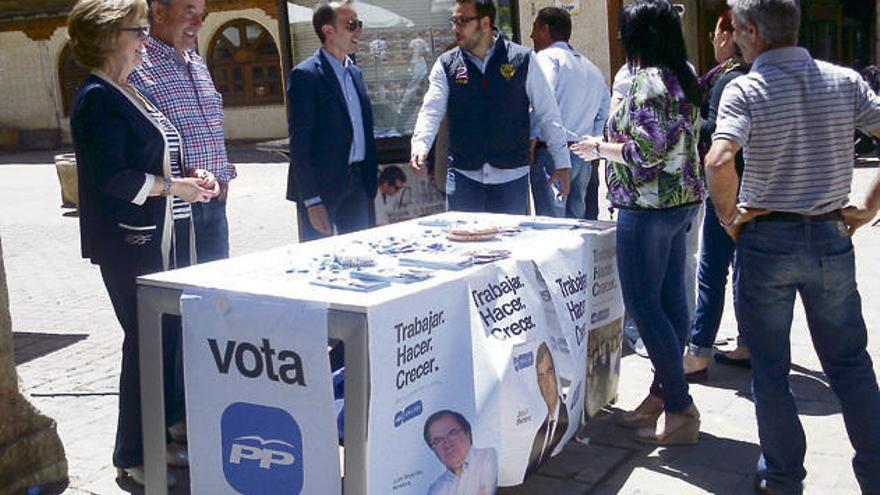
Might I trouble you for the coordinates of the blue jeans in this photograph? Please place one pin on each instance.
(776, 260)
(716, 257)
(579, 176)
(463, 194)
(348, 212)
(651, 262)
(211, 231)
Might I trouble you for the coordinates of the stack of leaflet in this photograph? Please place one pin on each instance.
(545, 224)
(339, 281)
(354, 257)
(484, 256)
(437, 261)
(397, 274)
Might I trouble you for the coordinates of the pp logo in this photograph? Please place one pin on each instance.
(262, 450)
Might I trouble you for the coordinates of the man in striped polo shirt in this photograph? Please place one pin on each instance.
(795, 116)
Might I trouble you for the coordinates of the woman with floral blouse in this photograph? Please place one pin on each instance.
(656, 183)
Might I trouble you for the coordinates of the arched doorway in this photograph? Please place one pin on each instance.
(70, 76)
(244, 62)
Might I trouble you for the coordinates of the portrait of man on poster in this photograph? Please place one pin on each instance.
(555, 423)
(469, 470)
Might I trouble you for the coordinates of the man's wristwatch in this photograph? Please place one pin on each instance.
(166, 187)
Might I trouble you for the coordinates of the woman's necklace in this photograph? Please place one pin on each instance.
(138, 96)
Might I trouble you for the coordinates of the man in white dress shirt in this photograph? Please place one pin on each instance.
(583, 100)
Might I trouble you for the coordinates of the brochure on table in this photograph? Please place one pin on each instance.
(261, 396)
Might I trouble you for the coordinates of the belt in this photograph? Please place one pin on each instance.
(784, 216)
(542, 144)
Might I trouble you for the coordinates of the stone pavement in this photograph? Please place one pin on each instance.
(67, 347)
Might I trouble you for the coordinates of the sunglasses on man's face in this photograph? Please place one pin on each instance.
(354, 24)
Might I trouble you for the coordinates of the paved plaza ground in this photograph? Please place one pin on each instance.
(67, 344)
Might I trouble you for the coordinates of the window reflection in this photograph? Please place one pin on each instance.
(401, 41)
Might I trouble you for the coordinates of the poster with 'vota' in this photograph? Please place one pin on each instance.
(422, 433)
(520, 391)
(257, 377)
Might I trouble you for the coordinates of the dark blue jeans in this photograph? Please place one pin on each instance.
(575, 205)
(651, 262)
(776, 260)
(120, 280)
(211, 231)
(348, 212)
(716, 256)
(463, 194)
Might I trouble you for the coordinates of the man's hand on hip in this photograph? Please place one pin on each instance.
(319, 219)
(743, 216)
(854, 216)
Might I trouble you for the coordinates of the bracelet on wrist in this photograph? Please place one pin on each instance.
(166, 187)
(596, 149)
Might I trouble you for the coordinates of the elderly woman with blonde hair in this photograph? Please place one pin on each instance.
(135, 215)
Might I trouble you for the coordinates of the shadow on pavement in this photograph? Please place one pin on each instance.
(31, 157)
(811, 390)
(28, 346)
(181, 488)
(714, 464)
(239, 152)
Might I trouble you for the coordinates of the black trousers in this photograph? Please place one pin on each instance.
(120, 282)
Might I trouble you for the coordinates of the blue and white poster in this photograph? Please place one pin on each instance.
(522, 387)
(605, 310)
(257, 377)
(423, 436)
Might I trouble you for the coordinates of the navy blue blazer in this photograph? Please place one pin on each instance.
(321, 132)
(116, 144)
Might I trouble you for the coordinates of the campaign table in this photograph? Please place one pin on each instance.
(268, 274)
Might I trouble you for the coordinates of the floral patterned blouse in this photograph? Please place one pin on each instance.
(658, 127)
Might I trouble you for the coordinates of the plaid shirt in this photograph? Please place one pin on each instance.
(186, 95)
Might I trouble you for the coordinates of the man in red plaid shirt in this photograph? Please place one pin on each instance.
(176, 77)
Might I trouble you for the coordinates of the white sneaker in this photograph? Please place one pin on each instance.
(136, 474)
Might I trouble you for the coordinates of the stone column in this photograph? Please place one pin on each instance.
(31, 453)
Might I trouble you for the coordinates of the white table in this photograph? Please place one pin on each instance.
(260, 274)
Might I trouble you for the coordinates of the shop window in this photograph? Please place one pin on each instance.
(401, 41)
(70, 75)
(244, 62)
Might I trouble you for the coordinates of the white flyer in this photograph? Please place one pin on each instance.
(422, 434)
(606, 321)
(258, 380)
(521, 392)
